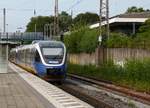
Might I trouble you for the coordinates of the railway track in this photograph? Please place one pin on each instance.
(104, 94)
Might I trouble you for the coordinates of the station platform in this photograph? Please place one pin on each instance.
(20, 89)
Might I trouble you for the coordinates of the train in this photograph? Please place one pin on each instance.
(46, 59)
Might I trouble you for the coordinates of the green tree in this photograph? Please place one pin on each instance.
(72, 41)
(65, 21)
(145, 27)
(135, 9)
(118, 40)
(40, 21)
(82, 40)
(89, 41)
(143, 35)
(85, 18)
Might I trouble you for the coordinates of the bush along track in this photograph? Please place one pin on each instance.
(135, 74)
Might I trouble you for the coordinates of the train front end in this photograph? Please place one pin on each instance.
(53, 58)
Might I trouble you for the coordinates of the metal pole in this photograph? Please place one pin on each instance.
(100, 18)
(100, 34)
(35, 22)
(47, 30)
(7, 48)
(7, 36)
(50, 31)
(107, 18)
(56, 19)
(4, 28)
(44, 33)
(35, 29)
(133, 27)
(104, 16)
(71, 16)
(104, 34)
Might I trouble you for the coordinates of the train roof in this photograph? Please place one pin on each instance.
(50, 43)
(40, 43)
(45, 41)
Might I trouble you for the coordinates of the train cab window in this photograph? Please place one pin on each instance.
(37, 57)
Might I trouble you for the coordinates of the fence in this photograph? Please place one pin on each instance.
(118, 55)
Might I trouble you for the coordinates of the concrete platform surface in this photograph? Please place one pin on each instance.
(16, 93)
(20, 89)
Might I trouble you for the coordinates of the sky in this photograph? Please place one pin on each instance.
(19, 12)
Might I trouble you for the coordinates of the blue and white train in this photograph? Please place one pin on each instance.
(46, 59)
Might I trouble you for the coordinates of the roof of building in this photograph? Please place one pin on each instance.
(135, 15)
(126, 18)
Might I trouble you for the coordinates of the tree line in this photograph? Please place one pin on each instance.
(66, 22)
(86, 40)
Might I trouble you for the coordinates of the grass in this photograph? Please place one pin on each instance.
(135, 74)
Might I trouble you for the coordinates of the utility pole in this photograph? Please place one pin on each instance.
(71, 14)
(104, 31)
(56, 19)
(35, 23)
(104, 16)
(4, 23)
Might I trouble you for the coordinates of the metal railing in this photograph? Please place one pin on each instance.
(27, 36)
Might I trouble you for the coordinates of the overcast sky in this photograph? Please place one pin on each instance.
(19, 12)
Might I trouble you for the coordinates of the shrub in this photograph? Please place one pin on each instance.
(85, 40)
(118, 40)
(143, 40)
(135, 73)
(72, 41)
(82, 40)
(138, 73)
(89, 41)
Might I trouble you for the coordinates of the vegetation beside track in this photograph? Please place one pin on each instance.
(135, 74)
(82, 40)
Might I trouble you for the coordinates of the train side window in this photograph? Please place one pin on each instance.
(37, 56)
(32, 54)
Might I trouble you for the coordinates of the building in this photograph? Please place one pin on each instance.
(125, 23)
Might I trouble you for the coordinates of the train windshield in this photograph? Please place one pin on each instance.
(53, 54)
(52, 51)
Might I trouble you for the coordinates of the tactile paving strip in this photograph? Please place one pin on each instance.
(56, 96)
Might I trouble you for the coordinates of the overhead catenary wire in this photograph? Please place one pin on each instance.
(74, 5)
(29, 9)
